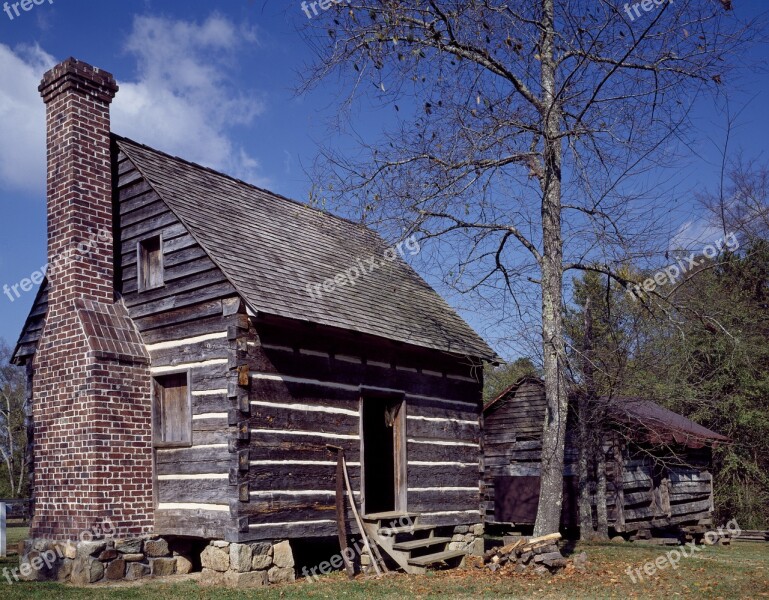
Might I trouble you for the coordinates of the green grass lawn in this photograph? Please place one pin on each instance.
(740, 571)
(15, 535)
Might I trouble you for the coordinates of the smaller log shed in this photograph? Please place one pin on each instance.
(658, 464)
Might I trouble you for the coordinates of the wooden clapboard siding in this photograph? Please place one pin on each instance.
(196, 522)
(33, 327)
(171, 319)
(304, 393)
(190, 277)
(512, 444)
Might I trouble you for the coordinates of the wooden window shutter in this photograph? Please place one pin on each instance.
(150, 263)
(172, 418)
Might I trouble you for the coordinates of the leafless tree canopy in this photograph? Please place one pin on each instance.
(524, 135)
(13, 434)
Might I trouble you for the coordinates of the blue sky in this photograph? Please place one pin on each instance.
(214, 82)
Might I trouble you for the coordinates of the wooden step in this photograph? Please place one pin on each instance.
(429, 559)
(392, 515)
(423, 543)
(398, 530)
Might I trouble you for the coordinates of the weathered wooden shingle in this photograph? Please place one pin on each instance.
(26, 346)
(110, 332)
(272, 248)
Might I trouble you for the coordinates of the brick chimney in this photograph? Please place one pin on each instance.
(90, 380)
(77, 98)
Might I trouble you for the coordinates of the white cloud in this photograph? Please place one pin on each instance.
(693, 235)
(180, 101)
(22, 118)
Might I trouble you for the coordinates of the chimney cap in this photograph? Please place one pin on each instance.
(72, 74)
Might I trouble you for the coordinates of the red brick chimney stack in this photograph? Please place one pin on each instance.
(77, 98)
(90, 376)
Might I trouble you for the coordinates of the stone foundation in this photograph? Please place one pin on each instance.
(87, 562)
(245, 565)
(468, 538)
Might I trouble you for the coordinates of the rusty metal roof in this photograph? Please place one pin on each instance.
(657, 424)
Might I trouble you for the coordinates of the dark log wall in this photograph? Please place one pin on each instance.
(647, 487)
(304, 392)
(660, 488)
(268, 394)
(512, 440)
(184, 324)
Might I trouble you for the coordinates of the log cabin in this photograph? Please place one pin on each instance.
(658, 465)
(199, 343)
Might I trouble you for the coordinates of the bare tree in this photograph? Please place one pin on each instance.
(584, 402)
(13, 432)
(517, 127)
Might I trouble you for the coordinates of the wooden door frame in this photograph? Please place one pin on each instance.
(400, 458)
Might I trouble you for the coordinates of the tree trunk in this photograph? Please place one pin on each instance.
(583, 474)
(554, 428)
(600, 493)
(28, 468)
(585, 440)
(6, 417)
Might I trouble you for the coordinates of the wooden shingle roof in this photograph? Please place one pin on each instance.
(272, 248)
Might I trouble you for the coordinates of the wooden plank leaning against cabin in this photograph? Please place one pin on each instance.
(305, 392)
(184, 324)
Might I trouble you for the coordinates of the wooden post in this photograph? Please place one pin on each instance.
(358, 520)
(3, 537)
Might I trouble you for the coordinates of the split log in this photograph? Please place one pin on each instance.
(540, 554)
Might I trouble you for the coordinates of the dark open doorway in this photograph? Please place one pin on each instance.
(383, 453)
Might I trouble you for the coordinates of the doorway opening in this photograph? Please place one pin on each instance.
(383, 453)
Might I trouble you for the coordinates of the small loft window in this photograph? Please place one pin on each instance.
(150, 263)
(172, 411)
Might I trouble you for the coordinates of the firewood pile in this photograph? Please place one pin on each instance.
(538, 555)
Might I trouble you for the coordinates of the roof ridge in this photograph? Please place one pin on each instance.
(242, 182)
